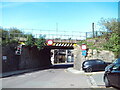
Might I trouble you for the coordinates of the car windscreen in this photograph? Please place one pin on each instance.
(116, 67)
(99, 61)
(86, 63)
(117, 61)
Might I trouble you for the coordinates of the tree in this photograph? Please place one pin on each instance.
(30, 41)
(110, 25)
(40, 42)
(5, 37)
(113, 35)
(4, 33)
(14, 32)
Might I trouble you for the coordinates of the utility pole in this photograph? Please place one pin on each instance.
(93, 29)
(86, 35)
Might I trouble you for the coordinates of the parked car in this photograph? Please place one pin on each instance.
(117, 60)
(112, 74)
(94, 65)
(112, 64)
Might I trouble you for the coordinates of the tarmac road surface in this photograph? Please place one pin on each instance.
(55, 77)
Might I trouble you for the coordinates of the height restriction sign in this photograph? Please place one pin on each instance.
(50, 42)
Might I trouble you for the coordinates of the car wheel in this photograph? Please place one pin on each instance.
(89, 69)
(107, 83)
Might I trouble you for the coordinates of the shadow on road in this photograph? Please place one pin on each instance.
(61, 66)
(21, 72)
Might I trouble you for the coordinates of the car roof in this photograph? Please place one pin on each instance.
(93, 60)
(117, 60)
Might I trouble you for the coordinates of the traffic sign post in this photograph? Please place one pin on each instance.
(19, 50)
(84, 52)
(84, 47)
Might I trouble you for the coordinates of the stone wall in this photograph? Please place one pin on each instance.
(104, 55)
(78, 58)
(107, 56)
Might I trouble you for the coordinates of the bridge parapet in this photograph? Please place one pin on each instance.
(61, 44)
(65, 40)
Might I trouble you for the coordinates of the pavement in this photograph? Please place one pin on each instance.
(72, 70)
(11, 73)
(93, 77)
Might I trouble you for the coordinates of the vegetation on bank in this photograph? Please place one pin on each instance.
(39, 42)
(110, 38)
(113, 38)
(13, 35)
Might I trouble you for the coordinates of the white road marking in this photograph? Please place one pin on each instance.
(93, 83)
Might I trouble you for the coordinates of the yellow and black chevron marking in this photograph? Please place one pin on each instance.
(61, 44)
(56, 44)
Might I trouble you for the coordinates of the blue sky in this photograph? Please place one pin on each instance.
(69, 16)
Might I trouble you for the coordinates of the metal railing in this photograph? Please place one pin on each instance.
(55, 35)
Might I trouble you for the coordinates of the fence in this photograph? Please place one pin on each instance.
(52, 34)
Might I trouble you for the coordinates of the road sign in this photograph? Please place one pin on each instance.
(84, 52)
(83, 47)
(50, 42)
(19, 49)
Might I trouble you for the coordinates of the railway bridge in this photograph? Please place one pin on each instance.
(60, 44)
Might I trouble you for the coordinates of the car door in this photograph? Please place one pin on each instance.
(94, 65)
(114, 75)
(100, 65)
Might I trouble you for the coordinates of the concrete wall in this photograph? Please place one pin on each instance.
(30, 58)
(10, 63)
(34, 58)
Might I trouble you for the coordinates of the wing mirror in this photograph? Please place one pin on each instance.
(109, 69)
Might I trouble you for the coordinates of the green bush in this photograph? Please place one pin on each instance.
(40, 42)
(30, 41)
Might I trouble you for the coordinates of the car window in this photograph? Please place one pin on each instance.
(117, 61)
(86, 63)
(116, 67)
(99, 61)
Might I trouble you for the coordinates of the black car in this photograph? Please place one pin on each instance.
(112, 74)
(94, 65)
(112, 64)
